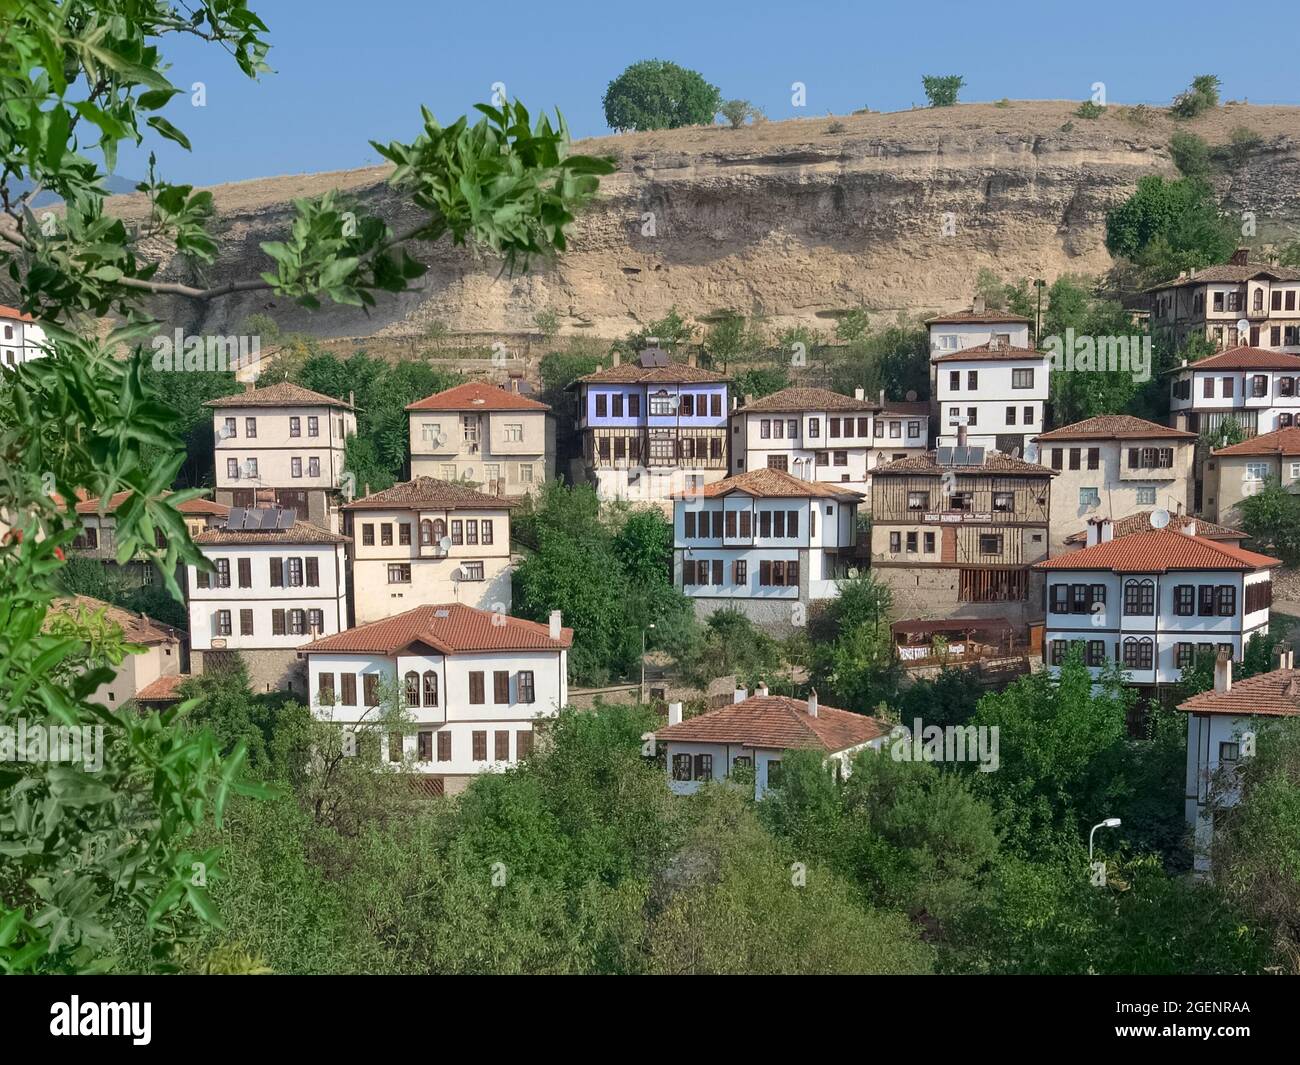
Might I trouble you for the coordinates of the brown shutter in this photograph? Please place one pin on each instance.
(444, 746)
(479, 752)
(313, 572)
(476, 687)
(500, 686)
(371, 682)
(203, 580)
(245, 573)
(792, 572)
(502, 739)
(717, 571)
(688, 525)
(349, 697)
(792, 523)
(717, 525)
(277, 622)
(277, 573)
(731, 524)
(245, 623)
(523, 744)
(764, 572)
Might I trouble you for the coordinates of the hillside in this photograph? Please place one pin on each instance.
(789, 220)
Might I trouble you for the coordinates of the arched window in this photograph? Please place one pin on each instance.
(430, 688)
(1138, 653)
(426, 532)
(412, 688)
(1140, 598)
(439, 530)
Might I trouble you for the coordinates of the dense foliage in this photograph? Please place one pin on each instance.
(657, 94)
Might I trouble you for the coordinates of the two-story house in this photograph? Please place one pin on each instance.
(1223, 724)
(1143, 522)
(977, 328)
(652, 427)
(746, 742)
(900, 429)
(1212, 303)
(473, 684)
(278, 584)
(493, 437)
(1255, 388)
(1111, 465)
(283, 445)
(1238, 471)
(996, 392)
(428, 541)
(97, 532)
(21, 337)
(1153, 601)
(956, 530)
(763, 542)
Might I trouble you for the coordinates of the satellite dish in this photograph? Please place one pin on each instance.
(1243, 327)
(1159, 519)
(911, 395)
(445, 543)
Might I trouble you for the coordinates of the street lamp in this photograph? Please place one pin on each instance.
(643, 632)
(1038, 317)
(1110, 822)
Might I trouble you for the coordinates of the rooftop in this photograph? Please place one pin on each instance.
(808, 399)
(994, 462)
(301, 532)
(190, 506)
(15, 313)
(772, 484)
(163, 690)
(280, 394)
(1278, 442)
(651, 367)
(136, 628)
(777, 722)
(990, 353)
(1114, 427)
(973, 317)
(1243, 358)
(1160, 551)
(451, 628)
(477, 395)
(1275, 694)
(1140, 523)
(1230, 273)
(428, 493)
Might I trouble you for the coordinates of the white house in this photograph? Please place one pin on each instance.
(1256, 388)
(283, 445)
(752, 734)
(20, 337)
(428, 541)
(474, 684)
(998, 392)
(1222, 726)
(977, 328)
(900, 429)
(763, 541)
(1153, 601)
(276, 587)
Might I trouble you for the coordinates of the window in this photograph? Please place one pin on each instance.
(476, 689)
(424, 746)
(1205, 601)
(501, 687)
(1060, 599)
(913, 429)
(412, 686)
(370, 688)
(929, 543)
(1259, 384)
(911, 543)
(523, 744)
(1096, 653)
(1094, 458)
(404, 533)
(325, 689)
(1029, 415)
(841, 458)
(399, 573)
(457, 533)
(349, 689)
(1011, 415)
(485, 529)
(704, 767)
(1089, 497)
(479, 743)
(895, 542)
(232, 469)
(313, 467)
(245, 569)
(429, 687)
(313, 425)
(250, 428)
(471, 571)
(954, 380)
(918, 501)
(1058, 651)
(1058, 458)
(740, 572)
(295, 573)
(1229, 752)
(1146, 495)
(229, 430)
(990, 543)
(295, 427)
(1023, 378)
(681, 767)
(1184, 600)
(223, 572)
(444, 746)
(368, 535)
(222, 624)
(687, 405)
(1138, 652)
(834, 426)
(527, 691)
(295, 467)
(1227, 600)
(1184, 655)
(245, 623)
(972, 415)
(602, 405)
(617, 404)
(1229, 384)
(1257, 471)
(471, 531)
(386, 534)
(1139, 598)
(1074, 458)
(514, 431)
(501, 743)
(663, 405)
(972, 380)
(297, 622)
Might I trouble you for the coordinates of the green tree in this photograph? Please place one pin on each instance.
(657, 94)
(1169, 226)
(1202, 96)
(1271, 517)
(941, 89)
(738, 112)
(1190, 154)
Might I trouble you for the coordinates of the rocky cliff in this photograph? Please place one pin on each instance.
(796, 221)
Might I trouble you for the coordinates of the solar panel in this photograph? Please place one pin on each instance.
(286, 519)
(265, 518)
(945, 456)
(976, 456)
(235, 519)
(654, 357)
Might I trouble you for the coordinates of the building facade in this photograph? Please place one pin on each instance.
(652, 427)
(283, 445)
(20, 337)
(1236, 472)
(272, 591)
(494, 438)
(765, 543)
(472, 684)
(1254, 388)
(428, 541)
(162, 657)
(1111, 466)
(958, 531)
(977, 328)
(1211, 304)
(97, 534)
(1154, 601)
(999, 394)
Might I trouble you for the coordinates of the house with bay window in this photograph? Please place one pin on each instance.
(1257, 389)
(428, 541)
(277, 583)
(652, 427)
(282, 445)
(1154, 601)
(473, 686)
(765, 543)
(746, 741)
(1112, 465)
(1238, 471)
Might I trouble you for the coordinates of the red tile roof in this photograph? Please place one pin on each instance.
(913, 407)
(808, 399)
(280, 394)
(632, 373)
(1275, 694)
(190, 506)
(163, 690)
(303, 532)
(1140, 523)
(14, 312)
(1230, 273)
(771, 484)
(1115, 427)
(452, 628)
(777, 722)
(476, 395)
(989, 353)
(1278, 442)
(136, 628)
(977, 318)
(429, 493)
(994, 462)
(1158, 552)
(1243, 358)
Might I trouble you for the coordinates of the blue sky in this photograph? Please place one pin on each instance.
(349, 72)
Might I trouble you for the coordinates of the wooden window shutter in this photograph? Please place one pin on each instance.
(277, 573)
(444, 746)
(313, 572)
(731, 524)
(245, 573)
(792, 523)
(204, 579)
(476, 687)
(500, 686)
(765, 572)
(349, 689)
(502, 741)
(277, 622)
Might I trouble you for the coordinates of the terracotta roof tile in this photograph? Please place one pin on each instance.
(429, 493)
(632, 373)
(1158, 552)
(452, 628)
(1243, 358)
(1230, 272)
(772, 484)
(912, 407)
(1275, 694)
(1140, 523)
(303, 532)
(1278, 442)
(190, 506)
(777, 722)
(1114, 427)
(977, 318)
(163, 690)
(807, 399)
(280, 394)
(15, 313)
(137, 628)
(477, 395)
(989, 353)
(994, 462)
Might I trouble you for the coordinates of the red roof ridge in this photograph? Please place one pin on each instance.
(450, 628)
(1158, 551)
(1272, 694)
(477, 395)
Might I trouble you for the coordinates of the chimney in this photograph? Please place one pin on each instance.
(1180, 510)
(1105, 531)
(961, 436)
(735, 402)
(749, 398)
(250, 386)
(761, 691)
(977, 304)
(812, 703)
(557, 623)
(860, 393)
(1285, 657)
(882, 397)
(692, 359)
(739, 695)
(1240, 257)
(617, 358)
(1223, 672)
(674, 713)
(1190, 528)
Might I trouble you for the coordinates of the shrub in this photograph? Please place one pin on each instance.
(1088, 109)
(655, 94)
(941, 89)
(1190, 154)
(737, 111)
(1201, 97)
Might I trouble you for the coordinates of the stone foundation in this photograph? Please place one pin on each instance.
(268, 670)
